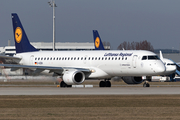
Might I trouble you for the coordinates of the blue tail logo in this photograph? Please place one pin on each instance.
(97, 41)
(21, 41)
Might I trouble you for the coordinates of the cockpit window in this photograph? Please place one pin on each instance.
(150, 58)
(171, 64)
(144, 57)
(153, 58)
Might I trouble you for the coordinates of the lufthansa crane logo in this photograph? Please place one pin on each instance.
(97, 42)
(18, 34)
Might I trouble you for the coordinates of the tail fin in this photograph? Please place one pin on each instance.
(97, 41)
(161, 56)
(21, 41)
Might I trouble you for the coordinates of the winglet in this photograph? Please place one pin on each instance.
(97, 41)
(21, 41)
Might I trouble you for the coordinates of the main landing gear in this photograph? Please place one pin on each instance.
(105, 83)
(63, 84)
(146, 84)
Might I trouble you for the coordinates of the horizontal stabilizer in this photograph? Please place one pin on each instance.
(9, 59)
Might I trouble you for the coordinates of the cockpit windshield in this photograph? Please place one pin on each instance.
(171, 64)
(153, 57)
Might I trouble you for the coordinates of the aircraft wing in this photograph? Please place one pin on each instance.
(39, 69)
(9, 59)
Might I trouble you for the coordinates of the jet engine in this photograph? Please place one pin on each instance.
(73, 77)
(132, 80)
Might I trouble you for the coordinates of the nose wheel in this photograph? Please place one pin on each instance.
(146, 84)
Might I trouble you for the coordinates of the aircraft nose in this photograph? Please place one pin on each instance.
(161, 69)
(172, 68)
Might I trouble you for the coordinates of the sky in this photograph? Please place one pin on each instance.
(157, 21)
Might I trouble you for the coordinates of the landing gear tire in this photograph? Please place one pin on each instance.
(63, 84)
(108, 84)
(105, 84)
(102, 84)
(146, 85)
(69, 86)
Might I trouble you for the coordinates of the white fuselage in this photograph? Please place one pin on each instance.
(103, 64)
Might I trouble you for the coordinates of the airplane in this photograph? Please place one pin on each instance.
(76, 66)
(172, 67)
(169, 64)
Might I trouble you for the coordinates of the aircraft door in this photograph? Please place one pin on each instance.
(31, 59)
(134, 61)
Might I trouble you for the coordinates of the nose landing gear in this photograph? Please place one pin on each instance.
(146, 84)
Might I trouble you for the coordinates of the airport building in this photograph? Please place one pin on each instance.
(47, 46)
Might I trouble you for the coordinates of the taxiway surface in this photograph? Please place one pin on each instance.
(89, 91)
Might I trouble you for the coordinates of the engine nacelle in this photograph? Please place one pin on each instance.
(132, 80)
(73, 77)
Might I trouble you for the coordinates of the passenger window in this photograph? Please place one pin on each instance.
(112, 58)
(65, 58)
(89, 58)
(115, 58)
(38, 58)
(81, 58)
(47, 58)
(92, 58)
(44, 58)
(102, 58)
(35, 58)
(59, 58)
(109, 58)
(126, 58)
(68, 58)
(62, 58)
(96, 58)
(99, 58)
(85, 58)
(78, 58)
(122, 58)
(119, 58)
(74, 58)
(54, 58)
(105, 58)
(50, 58)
